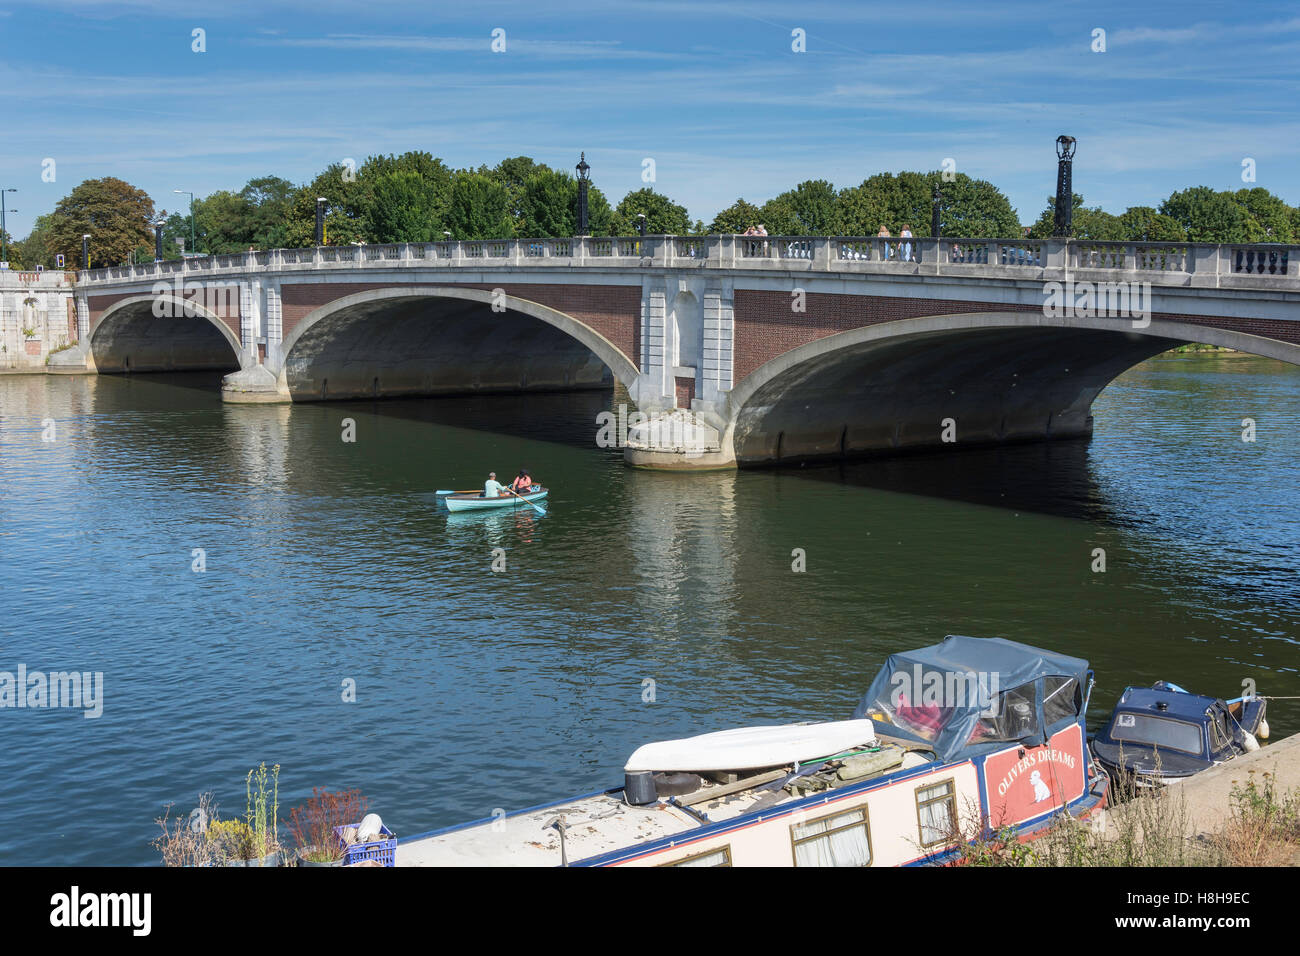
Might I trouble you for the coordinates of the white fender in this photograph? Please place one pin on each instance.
(1262, 730)
(1251, 743)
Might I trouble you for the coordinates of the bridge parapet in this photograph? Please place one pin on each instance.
(1201, 265)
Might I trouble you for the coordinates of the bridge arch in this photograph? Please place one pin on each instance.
(1000, 376)
(380, 341)
(162, 332)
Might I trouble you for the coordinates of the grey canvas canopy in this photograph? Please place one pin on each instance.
(973, 695)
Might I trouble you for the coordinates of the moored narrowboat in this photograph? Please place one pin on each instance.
(950, 742)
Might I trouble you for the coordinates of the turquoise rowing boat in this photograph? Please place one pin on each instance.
(474, 501)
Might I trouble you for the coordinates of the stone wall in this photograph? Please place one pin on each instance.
(36, 317)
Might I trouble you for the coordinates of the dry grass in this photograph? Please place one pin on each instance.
(1264, 827)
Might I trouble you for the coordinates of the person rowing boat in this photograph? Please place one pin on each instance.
(523, 483)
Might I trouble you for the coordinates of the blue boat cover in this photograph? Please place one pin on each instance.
(972, 695)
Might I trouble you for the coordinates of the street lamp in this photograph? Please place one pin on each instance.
(640, 224)
(85, 251)
(4, 234)
(321, 202)
(936, 205)
(584, 179)
(1064, 185)
(185, 192)
(157, 240)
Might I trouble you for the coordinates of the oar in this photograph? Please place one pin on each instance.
(467, 491)
(540, 511)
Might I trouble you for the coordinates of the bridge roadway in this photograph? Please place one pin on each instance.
(738, 350)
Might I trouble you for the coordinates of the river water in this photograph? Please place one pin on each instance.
(328, 562)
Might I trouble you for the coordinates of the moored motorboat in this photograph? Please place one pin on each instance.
(950, 743)
(474, 501)
(1162, 734)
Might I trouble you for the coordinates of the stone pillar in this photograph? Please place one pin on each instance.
(250, 318)
(654, 343)
(273, 317)
(83, 317)
(719, 335)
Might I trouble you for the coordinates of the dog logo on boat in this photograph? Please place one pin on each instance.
(1041, 790)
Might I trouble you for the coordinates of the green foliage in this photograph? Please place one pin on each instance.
(269, 199)
(14, 252)
(231, 840)
(739, 217)
(1142, 223)
(970, 208)
(1208, 216)
(810, 209)
(663, 216)
(404, 207)
(550, 207)
(263, 809)
(1268, 218)
(479, 208)
(117, 215)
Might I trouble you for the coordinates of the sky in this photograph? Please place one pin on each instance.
(712, 91)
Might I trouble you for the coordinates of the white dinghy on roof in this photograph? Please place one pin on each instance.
(750, 747)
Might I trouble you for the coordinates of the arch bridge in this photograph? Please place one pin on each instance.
(740, 350)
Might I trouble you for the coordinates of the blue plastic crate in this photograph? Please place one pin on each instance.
(385, 850)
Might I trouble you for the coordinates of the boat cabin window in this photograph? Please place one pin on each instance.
(1157, 732)
(1061, 699)
(719, 857)
(936, 813)
(842, 839)
(1014, 717)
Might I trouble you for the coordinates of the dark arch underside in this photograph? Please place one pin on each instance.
(436, 346)
(998, 385)
(133, 339)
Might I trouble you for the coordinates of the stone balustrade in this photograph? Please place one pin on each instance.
(1184, 263)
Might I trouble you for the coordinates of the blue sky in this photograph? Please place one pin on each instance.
(710, 89)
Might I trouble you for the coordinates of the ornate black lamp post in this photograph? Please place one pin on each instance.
(936, 203)
(1064, 186)
(85, 251)
(640, 224)
(584, 179)
(157, 241)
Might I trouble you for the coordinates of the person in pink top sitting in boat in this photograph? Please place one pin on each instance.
(523, 483)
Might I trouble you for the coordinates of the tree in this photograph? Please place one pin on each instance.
(1208, 216)
(810, 209)
(13, 250)
(117, 215)
(433, 193)
(970, 208)
(550, 207)
(338, 186)
(480, 207)
(663, 216)
(1144, 224)
(513, 173)
(270, 201)
(1268, 217)
(405, 207)
(736, 218)
(1095, 223)
(223, 223)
